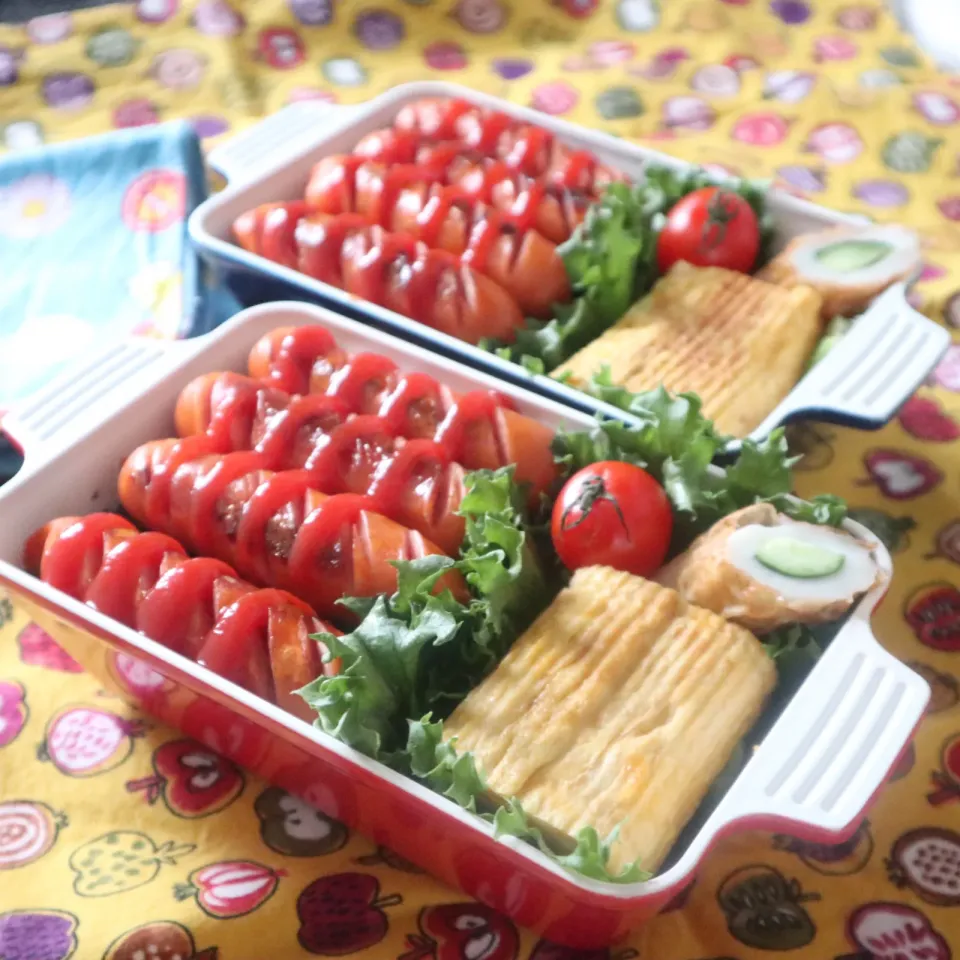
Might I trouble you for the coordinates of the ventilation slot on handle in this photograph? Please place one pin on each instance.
(57, 411)
(837, 740)
(284, 132)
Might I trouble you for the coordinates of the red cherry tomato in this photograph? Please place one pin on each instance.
(612, 514)
(711, 227)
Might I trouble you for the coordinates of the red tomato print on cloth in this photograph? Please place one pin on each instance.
(900, 475)
(946, 781)
(933, 611)
(192, 780)
(232, 888)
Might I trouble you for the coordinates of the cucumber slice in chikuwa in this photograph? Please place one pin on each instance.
(846, 256)
(871, 256)
(794, 558)
(803, 561)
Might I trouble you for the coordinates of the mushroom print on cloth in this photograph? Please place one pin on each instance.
(121, 839)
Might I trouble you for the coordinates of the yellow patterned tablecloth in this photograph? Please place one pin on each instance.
(828, 97)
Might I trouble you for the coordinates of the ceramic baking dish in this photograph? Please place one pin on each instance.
(861, 383)
(813, 775)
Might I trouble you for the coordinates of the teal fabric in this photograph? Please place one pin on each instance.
(94, 248)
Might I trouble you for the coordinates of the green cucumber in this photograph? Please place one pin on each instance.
(794, 558)
(847, 256)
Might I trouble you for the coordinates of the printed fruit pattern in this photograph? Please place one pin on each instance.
(946, 780)
(342, 913)
(455, 931)
(384, 855)
(545, 950)
(121, 860)
(927, 860)
(192, 780)
(900, 475)
(28, 829)
(231, 888)
(134, 675)
(944, 688)
(933, 611)
(13, 711)
(763, 908)
(925, 419)
(160, 940)
(947, 542)
(86, 741)
(893, 532)
(290, 826)
(894, 931)
(37, 935)
(39, 649)
(835, 859)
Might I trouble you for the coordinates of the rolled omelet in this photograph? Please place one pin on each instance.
(618, 707)
(762, 570)
(847, 266)
(739, 343)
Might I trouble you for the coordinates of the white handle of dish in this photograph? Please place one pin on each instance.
(836, 742)
(243, 156)
(873, 370)
(85, 392)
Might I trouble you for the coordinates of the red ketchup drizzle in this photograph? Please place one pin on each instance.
(399, 475)
(128, 572)
(179, 611)
(577, 172)
(206, 532)
(527, 149)
(363, 382)
(347, 462)
(415, 406)
(253, 555)
(236, 647)
(452, 434)
(293, 361)
(282, 445)
(326, 533)
(72, 560)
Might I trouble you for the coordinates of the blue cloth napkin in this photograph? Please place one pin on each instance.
(94, 248)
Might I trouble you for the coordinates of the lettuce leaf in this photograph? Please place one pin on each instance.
(380, 680)
(417, 651)
(678, 445)
(454, 775)
(611, 260)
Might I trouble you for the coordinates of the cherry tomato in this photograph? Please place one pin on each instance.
(711, 227)
(612, 514)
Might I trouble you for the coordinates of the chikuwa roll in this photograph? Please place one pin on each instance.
(847, 266)
(761, 570)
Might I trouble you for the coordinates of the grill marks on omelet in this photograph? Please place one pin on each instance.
(620, 704)
(737, 342)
